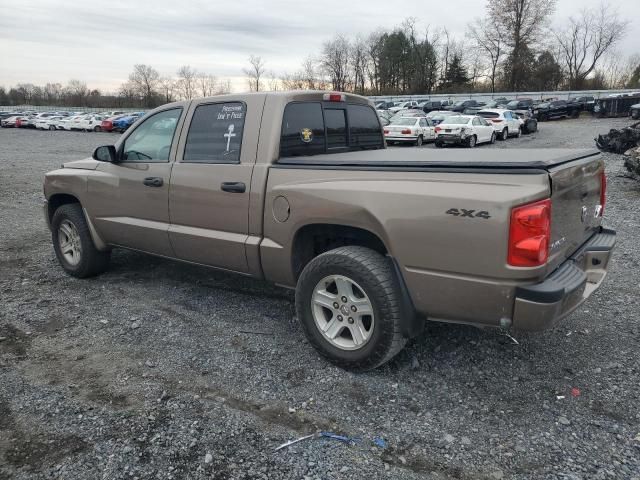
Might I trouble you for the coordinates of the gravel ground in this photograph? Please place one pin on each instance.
(162, 370)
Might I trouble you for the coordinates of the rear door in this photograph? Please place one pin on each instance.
(209, 194)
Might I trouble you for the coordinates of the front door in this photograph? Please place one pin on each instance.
(129, 199)
(210, 183)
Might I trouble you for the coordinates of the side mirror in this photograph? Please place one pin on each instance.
(106, 153)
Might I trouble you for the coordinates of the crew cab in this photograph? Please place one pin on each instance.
(298, 188)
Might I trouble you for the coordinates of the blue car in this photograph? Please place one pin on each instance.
(123, 123)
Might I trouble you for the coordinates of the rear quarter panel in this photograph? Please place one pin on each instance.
(448, 262)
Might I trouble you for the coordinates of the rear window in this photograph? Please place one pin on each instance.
(489, 114)
(311, 128)
(404, 121)
(457, 120)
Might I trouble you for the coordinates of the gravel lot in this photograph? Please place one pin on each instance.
(162, 370)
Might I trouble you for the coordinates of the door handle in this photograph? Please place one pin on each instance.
(233, 187)
(153, 182)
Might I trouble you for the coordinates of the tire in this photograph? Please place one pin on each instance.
(438, 144)
(97, 128)
(493, 138)
(471, 141)
(635, 115)
(52, 127)
(361, 270)
(519, 133)
(89, 261)
(504, 134)
(419, 141)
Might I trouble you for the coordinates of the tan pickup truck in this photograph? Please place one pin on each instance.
(298, 188)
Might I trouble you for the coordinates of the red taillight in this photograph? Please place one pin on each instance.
(438, 129)
(496, 120)
(406, 131)
(333, 97)
(529, 234)
(603, 191)
(386, 131)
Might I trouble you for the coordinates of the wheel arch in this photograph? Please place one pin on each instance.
(57, 200)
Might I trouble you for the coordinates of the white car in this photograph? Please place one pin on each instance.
(47, 123)
(416, 130)
(90, 122)
(505, 122)
(404, 106)
(72, 123)
(466, 130)
(111, 114)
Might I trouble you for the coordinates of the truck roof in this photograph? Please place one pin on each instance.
(523, 158)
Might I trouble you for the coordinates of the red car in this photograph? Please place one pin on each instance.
(107, 125)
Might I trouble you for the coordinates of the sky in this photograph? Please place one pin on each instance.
(99, 42)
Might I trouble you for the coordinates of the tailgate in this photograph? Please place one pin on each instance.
(575, 206)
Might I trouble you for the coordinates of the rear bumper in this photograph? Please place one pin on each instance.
(541, 305)
(403, 138)
(451, 139)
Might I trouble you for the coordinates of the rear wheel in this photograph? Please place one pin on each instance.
(52, 127)
(493, 138)
(73, 244)
(439, 144)
(519, 132)
(348, 302)
(97, 128)
(635, 115)
(419, 141)
(471, 141)
(504, 134)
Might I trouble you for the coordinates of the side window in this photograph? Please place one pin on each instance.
(302, 130)
(508, 116)
(336, 122)
(215, 133)
(151, 140)
(423, 122)
(364, 127)
(476, 122)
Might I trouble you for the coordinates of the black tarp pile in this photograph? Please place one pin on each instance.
(626, 141)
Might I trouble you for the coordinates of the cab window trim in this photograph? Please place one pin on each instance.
(173, 138)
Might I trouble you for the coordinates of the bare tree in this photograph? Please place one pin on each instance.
(358, 57)
(167, 87)
(588, 37)
(144, 80)
(254, 73)
(335, 61)
(274, 82)
(224, 87)
(488, 38)
(521, 22)
(187, 83)
(207, 84)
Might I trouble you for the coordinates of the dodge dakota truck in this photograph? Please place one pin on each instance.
(299, 189)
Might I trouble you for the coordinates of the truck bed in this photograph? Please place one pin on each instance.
(408, 158)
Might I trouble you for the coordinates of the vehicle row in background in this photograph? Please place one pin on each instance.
(116, 121)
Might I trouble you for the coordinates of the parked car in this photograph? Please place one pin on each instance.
(111, 113)
(416, 130)
(9, 122)
(464, 130)
(404, 105)
(505, 122)
(372, 244)
(634, 111)
(529, 123)
(73, 122)
(438, 116)
(384, 105)
(60, 122)
(47, 123)
(91, 122)
(555, 109)
(107, 123)
(26, 122)
(520, 104)
(585, 102)
(123, 123)
(431, 105)
(462, 105)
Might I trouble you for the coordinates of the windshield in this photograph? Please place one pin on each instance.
(459, 104)
(543, 105)
(513, 104)
(457, 120)
(404, 121)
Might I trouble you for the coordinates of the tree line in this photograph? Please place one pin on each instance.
(513, 47)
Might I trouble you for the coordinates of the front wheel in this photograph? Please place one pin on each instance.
(519, 133)
(493, 138)
(73, 244)
(438, 144)
(97, 128)
(505, 134)
(419, 141)
(349, 304)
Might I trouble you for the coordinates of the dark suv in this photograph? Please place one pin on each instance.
(462, 105)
